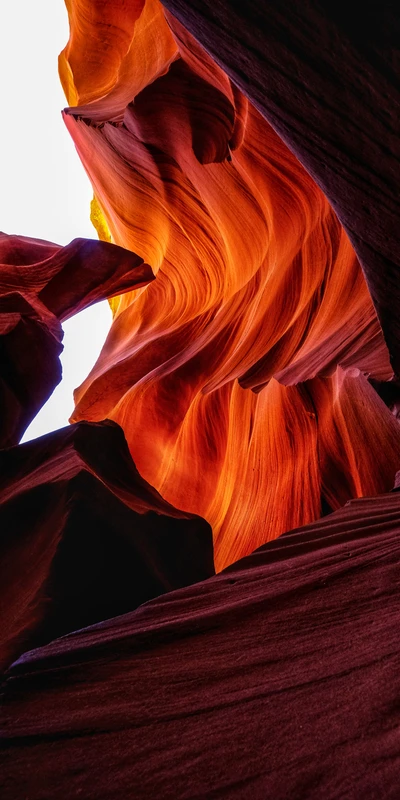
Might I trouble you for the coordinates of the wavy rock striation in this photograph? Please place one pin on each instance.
(277, 678)
(259, 333)
(42, 285)
(257, 383)
(327, 80)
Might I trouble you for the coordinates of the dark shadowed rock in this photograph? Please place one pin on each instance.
(41, 285)
(278, 678)
(72, 551)
(30, 368)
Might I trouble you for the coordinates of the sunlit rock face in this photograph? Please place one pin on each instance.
(41, 285)
(84, 537)
(328, 82)
(278, 678)
(240, 375)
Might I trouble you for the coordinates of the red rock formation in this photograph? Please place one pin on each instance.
(101, 65)
(258, 291)
(29, 364)
(41, 285)
(84, 537)
(327, 80)
(254, 385)
(277, 678)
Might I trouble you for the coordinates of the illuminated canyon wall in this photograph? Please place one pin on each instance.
(244, 161)
(248, 356)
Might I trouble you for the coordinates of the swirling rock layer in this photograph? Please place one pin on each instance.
(257, 384)
(247, 358)
(83, 537)
(327, 80)
(41, 285)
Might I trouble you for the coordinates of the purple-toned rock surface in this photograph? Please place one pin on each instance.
(41, 285)
(278, 678)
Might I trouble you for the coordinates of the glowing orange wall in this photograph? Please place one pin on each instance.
(239, 374)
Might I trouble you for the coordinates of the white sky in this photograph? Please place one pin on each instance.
(44, 191)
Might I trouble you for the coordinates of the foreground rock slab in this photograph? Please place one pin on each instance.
(84, 537)
(278, 678)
